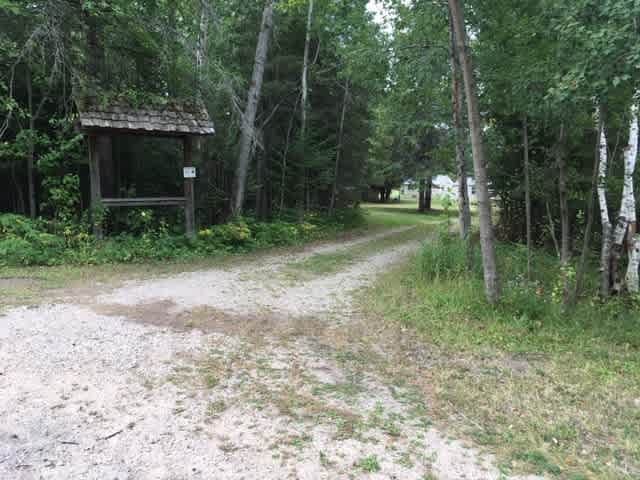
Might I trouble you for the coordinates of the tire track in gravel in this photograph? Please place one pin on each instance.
(87, 393)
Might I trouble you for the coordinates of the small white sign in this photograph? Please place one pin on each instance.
(189, 172)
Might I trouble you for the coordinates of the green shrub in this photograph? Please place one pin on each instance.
(234, 233)
(11, 224)
(30, 242)
(63, 199)
(33, 249)
(24, 241)
(276, 233)
(140, 221)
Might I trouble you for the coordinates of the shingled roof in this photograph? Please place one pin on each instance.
(174, 118)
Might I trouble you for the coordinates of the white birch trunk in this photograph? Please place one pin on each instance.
(605, 255)
(631, 156)
(633, 283)
(627, 207)
(249, 116)
(627, 215)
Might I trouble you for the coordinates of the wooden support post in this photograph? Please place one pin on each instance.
(107, 166)
(189, 208)
(95, 187)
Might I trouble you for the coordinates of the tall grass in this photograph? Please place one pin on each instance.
(448, 257)
(550, 389)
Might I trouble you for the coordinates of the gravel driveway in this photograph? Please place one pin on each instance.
(233, 373)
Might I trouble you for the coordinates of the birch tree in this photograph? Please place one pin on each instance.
(626, 224)
(247, 133)
(629, 201)
(634, 264)
(626, 221)
(605, 220)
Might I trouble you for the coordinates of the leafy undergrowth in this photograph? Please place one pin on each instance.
(26, 242)
(37, 264)
(550, 390)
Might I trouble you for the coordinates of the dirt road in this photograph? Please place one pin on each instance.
(263, 370)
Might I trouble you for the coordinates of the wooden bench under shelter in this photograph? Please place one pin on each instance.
(180, 120)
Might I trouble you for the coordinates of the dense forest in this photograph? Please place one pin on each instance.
(316, 102)
(316, 73)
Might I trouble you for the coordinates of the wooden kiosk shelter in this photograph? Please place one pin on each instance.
(180, 120)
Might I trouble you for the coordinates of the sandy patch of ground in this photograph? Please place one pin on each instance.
(228, 373)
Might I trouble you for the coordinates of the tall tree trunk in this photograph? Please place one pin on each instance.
(605, 254)
(31, 181)
(633, 240)
(336, 168)
(19, 193)
(305, 103)
(285, 156)
(582, 267)
(563, 197)
(552, 229)
(634, 264)
(171, 50)
(305, 74)
(421, 195)
(457, 98)
(95, 52)
(249, 116)
(487, 242)
(627, 216)
(428, 189)
(262, 206)
(206, 162)
(201, 46)
(527, 192)
(95, 71)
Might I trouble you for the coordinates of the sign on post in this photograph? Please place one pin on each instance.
(189, 172)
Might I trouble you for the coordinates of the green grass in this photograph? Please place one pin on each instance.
(328, 263)
(369, 464)
(214, 409)
(549, 389)
(404, 213)
(324, 263)
(379, 218)
(540, 462)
